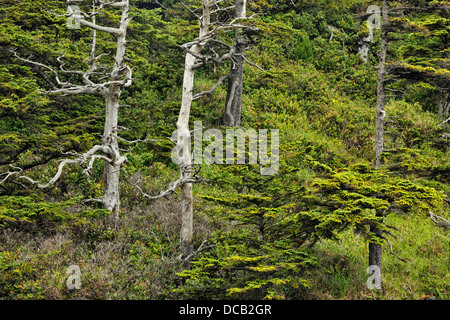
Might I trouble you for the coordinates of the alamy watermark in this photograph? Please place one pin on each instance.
(374, 280)
(73, 22)
(235, 145)
(74, 279)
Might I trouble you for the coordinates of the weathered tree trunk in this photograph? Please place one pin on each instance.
(111, 175)
(376, 250)
(184, 158)
(444, 103)
(184, 138)
(233, 103)
(381, 95)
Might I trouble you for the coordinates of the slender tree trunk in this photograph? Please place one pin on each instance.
(111, 175)
(381, 95)
(185, 161)
(444, 103)
(184, 138)
(233, 103)
(376, 250)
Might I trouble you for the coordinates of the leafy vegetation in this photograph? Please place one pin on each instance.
(299, 234)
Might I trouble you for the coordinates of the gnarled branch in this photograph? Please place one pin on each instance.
(439, 221)
(80, 160)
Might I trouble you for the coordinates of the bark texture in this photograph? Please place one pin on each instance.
(375, 249)
(381, 95)
(111, 197)
(233, 103)
(184, 137)
(444, 103)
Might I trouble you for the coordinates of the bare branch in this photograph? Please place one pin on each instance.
(223, 9)
(210, 91)
(10, 173)
(439, 221)
(252, 63)
(93, 200)
(41, 65)
(160, 4)
(184, 179)
(390, 247)
(114, 31)
(444, 122)
(170, 191)
(55, 177)
(81, 159)
(94, 12)
(117, 4)
(209, 35)
(135, 141)
(395, 90)
(188, 50)
(67, 88)
(201, 248)
(190, 10)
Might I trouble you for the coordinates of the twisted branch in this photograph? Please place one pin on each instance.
(184, 179)
(439, 221)
(82, 158)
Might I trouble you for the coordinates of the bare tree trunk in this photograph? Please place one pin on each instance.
(111, 174)
(233, 103)
(376, 250)
(184, 137)
(111, 197)
(444, 103)
(381, 95)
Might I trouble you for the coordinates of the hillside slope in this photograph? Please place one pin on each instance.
(300, 234)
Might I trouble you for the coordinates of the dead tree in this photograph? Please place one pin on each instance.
(208, 35)
(233, 102)
(184, 135)
(202, 51)
(376, 249)
(96, 80)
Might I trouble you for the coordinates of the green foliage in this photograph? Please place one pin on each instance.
(268, 237)
(16, 210)
(421, 58)
(262, 256)
(275, 221)
(341, 271)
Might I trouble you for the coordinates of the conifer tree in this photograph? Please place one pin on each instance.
(423, 56)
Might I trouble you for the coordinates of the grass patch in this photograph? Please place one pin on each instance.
(342, 272)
